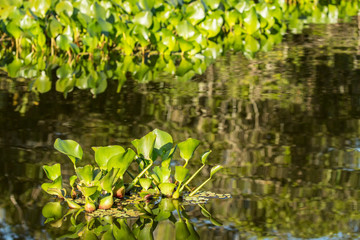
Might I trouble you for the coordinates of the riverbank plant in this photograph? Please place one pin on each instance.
(159, 172)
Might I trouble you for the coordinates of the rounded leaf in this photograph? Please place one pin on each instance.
(69, 147)
(52, 172)
(143, 18)
(103, 154)
(52, 210)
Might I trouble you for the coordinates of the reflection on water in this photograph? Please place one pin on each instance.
(286, 125)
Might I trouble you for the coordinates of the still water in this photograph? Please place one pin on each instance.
(286, 126)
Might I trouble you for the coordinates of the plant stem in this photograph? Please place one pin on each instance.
(191, 178)
(199, 187)
(132, 184)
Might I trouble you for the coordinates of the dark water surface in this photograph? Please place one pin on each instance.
(285, 125)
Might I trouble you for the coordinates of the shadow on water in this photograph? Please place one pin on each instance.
(285, 124)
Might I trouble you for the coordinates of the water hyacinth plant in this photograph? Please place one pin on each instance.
(98, 185)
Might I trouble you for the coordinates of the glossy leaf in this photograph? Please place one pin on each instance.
(215, 170)
(52, 210)
(195, 12)
(187, 148)
(143, 18)
(64, 6)
(167, 188)
(85, 174)
(181, 173)
(145, 183)
(185, 29)
(53, 171)
(145, 145)
(205, 156)
(163, 141)
(56, 184)
(251, 21)
(121, 161)
(104, 154)
(69, 147)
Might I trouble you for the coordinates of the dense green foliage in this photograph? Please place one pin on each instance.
(100, 184)
(53, 41)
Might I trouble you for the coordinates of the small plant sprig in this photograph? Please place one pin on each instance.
(98, 185)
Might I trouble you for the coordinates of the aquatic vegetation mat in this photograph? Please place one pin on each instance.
(101, 186)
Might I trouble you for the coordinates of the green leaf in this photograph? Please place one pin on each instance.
(103, 154)
(69, 147)
(146, 4)
(13, 29)
(121, 161)
(85, 174)
(145, 183)
(124, 232)
(251, 44)
(145, 145)
(185, 46)
(163, 141)
(187, 148)
(108, 181)
(205, 156)
(88, 191)
(215, 169)
(52, 210)
(167, 188)
(251, 21)
(56, 184)
(14, 67)
(42, 84)
(64, 6)
(143, 18)
(40, 7)
(63, 42)
(65, 71)
(52, 172)
(195, 12)
(72, 180)
(185, 29)
(212, 4)
(181, 173)
(55, 28)
(163, 173)
(100, 12)
(212, 24)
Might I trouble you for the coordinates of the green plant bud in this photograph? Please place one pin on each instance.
(106, 202)
(90, 207)
(120, 192)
